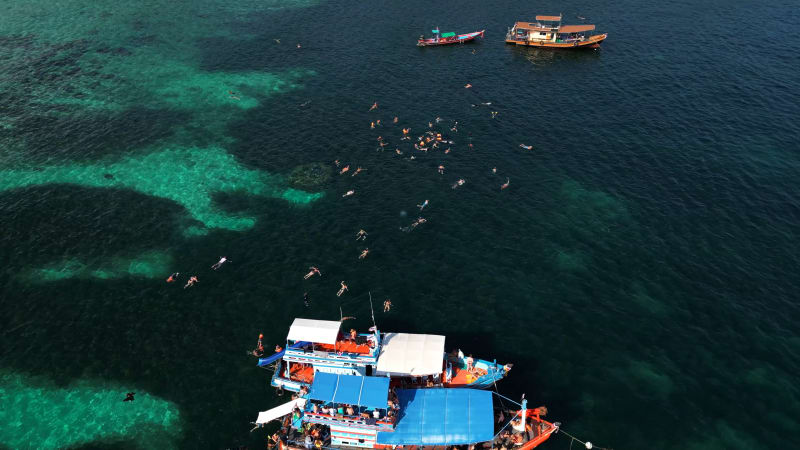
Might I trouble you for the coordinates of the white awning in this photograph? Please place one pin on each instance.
(319, 331)
(280, 411)
(411, 354)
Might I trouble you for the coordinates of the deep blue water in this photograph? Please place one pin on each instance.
(640, 271)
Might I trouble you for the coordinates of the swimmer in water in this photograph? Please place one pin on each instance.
(467, 85)
(494, 169)
(395, 119)
(173, 277)
(312, 271)
(447, 151)
(218, 264)
(306, 301)
(526, 147)
(349, 193)
(441, 168)
(374, 106)
(305, 103)
(505, 185)
(417, 222)
(336, 161)
(358, 170)
(397, 150)
(191, 282)
(455, 127)
(494, 114)
(430, 124)
(387, 305)
(341, 290)
(129, 397)
(423, 205)
(344, 169)
(363, 254)
(378, 122)
(361, 235)
(459, 183)
(438, 119)
(298, 45)
(372, 125)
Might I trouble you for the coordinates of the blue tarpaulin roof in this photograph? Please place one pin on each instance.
(441, 417)
(370, 392)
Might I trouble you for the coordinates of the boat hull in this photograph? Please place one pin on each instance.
(591, 42)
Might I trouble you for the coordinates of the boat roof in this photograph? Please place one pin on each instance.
(370, 392)
(441, 416)
(531, 26)
(280, 411)
(450, 34)
(411, 354)
(322, 331)
(549, 18)
(575, 28)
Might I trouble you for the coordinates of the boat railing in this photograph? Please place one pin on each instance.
(385, 423)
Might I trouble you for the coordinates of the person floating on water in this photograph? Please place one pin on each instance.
(526, 147)
(363, 254)
(219, 263)
(374, 106)
(378, 122)
(459, 183)
(387, 305)
(505, 185)
(468, 86)
(298, 45)
(129, 397)
(259, 350)
(191, 282)
(361, 235)
(349, 193)
(418, 222)
(441, 169)
(336, 161)
(341, 290)
(494, 114)
(372, 125)
(344, 169)
(313, 270)
(358, 170)
(395, 119)
(173, 277)
(423, 205)
(494, 169)
(306, 301)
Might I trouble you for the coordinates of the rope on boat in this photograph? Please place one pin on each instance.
(586, 444)
(504, 397)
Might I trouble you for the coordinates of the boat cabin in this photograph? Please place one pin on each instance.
(321, 346)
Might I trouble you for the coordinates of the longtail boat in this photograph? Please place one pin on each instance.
(448, 38)
(409, 360)
(548, 32)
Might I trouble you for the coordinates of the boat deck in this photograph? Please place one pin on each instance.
(346, 347)
(301, 372)
(464, 377)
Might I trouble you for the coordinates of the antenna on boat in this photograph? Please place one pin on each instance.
(372, 311)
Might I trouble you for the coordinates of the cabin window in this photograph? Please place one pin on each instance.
(541, 33)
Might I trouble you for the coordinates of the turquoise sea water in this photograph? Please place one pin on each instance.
(640, 270)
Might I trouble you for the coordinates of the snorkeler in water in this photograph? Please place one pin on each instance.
(342, 289)
(191, 282)
(219, 263)
(459, 183)
(505, 185)
(129, 397)
(313, 271)
(441, 168)
(363, 254)
(423, 205)
(349, 193)
(173, 277)
(361, 235)
(358, 170)
(344, 169)
(526, 147)
(374, 106)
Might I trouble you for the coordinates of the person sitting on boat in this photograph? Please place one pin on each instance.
(350, 411)
(353, 334)
(469, 361)
(303, 391)
(376, 414)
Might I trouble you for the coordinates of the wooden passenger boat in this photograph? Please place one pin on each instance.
(448, 38)
(548, 32)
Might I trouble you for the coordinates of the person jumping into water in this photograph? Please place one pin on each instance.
(191, 282)
(505, 185)
(313, 270)
(363, 254)
(173, 277)
(361, 235)
(219, 263)
(341, 290)
(423, 205)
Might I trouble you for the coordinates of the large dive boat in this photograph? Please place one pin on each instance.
(408, 360)
(365, 411)
(548, 32)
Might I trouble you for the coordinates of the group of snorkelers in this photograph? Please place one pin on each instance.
(193, 279)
